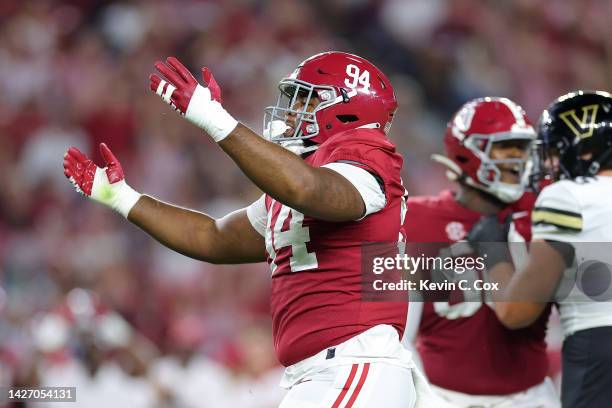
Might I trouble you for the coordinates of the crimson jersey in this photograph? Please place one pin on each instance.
(316, 265)
(463, 345)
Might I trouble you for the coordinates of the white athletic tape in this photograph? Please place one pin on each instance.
(160, 87)
(119, 196)
(168, 93)
(203, 111)
(209, 115)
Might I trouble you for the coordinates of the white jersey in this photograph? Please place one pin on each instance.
(580, 212)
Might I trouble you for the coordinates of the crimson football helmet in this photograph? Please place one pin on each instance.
(470, 136)
(349, 92)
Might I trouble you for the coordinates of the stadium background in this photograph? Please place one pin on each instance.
(76, 73)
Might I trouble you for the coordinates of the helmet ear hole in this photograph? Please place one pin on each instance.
(347, 118)
(462, 159)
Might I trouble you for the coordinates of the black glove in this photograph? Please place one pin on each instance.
(488, 237)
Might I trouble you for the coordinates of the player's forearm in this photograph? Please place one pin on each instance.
(502, 274)
(527, 291)
(317, 192)
(188, 232)
(513, 306)
(517, 315)
(276, 171)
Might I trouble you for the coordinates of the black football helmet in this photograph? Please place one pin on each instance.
(575, 133)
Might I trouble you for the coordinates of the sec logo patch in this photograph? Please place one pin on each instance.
(455, 231)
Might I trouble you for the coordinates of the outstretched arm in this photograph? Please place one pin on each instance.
(231, 239)
(227, 240)
(314, 191)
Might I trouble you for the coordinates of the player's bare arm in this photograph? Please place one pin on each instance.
(521, 295)
(230, 239)
(227, 240)
(318, 192)
(314, 191)
(524, 294)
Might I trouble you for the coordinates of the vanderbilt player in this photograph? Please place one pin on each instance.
(566, 263)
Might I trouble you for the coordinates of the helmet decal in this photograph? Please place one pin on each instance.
(575, 135)
(582, 127)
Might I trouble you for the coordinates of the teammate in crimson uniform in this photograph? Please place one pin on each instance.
(470, 358)
(334, 185)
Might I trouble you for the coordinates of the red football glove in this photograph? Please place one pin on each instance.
(200, 105)
(104, 185)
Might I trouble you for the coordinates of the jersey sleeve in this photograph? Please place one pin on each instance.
(258, 215)
(368, 186)
(557, 215)
(367, 149)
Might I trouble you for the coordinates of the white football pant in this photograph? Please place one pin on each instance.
(363, 385)
(542, 395)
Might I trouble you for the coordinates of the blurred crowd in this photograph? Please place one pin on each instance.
(86, 298)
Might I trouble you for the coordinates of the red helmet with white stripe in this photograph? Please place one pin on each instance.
(470, 136)
(350, 92)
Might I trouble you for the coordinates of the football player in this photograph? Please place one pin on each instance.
(569, 258)
(331, 180)
(469, 357)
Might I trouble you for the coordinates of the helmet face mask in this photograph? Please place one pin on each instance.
(297, 94)
(556, 161)
(489, 174)
(476, 139)
(544, 165)
(348, 93)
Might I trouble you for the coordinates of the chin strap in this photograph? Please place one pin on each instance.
(595, 165)
(453, 172)
(298, 147)
(370, 126)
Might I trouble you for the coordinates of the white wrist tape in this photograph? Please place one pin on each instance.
(118, 196)
(208, 114)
